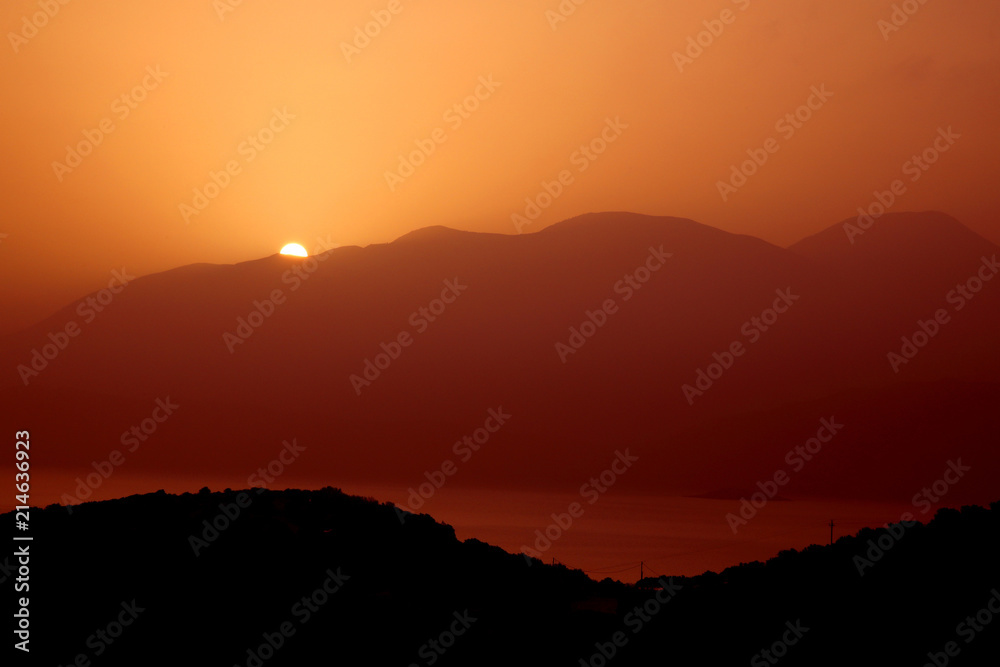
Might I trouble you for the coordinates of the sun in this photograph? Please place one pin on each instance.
(294, 249)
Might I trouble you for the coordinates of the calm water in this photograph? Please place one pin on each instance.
(672, 535)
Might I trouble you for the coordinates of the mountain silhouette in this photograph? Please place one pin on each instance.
(355, 579)
(518, 307)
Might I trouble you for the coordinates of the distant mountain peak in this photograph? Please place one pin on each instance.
(616, 219)
(432, 233)
(914, 233)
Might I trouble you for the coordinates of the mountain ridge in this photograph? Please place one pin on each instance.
(226, 569)
(496, 320)
(605, 221)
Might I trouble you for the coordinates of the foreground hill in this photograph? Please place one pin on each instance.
(349, 582)
(607, 328)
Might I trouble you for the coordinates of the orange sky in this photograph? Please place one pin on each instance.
(340, 126)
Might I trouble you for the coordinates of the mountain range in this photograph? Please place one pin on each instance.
(710, 355)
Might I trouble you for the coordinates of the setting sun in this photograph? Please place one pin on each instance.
(294, 249)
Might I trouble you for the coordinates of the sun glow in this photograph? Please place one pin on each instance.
(294, 249)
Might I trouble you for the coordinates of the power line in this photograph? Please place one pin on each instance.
(625, 567)
(643, 565)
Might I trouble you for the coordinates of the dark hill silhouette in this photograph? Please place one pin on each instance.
(496, 345)
(399, 584)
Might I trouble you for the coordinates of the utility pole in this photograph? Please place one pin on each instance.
(831, 532)
(642, 564)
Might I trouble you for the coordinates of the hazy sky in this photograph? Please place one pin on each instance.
(309, 128)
